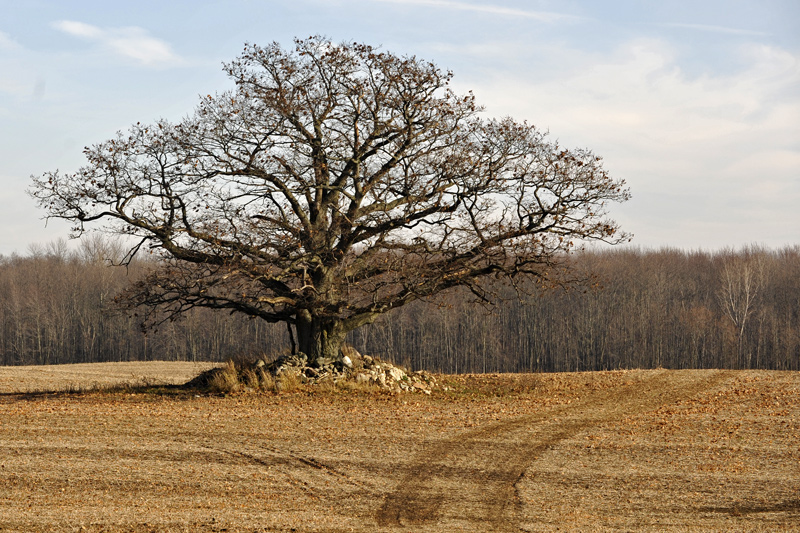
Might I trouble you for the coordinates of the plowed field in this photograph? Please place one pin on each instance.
(630, 450)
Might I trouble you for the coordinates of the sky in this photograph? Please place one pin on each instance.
(695, 104)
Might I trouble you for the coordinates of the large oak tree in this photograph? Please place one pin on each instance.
(336, 182)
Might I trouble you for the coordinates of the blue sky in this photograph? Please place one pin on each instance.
(696, 104)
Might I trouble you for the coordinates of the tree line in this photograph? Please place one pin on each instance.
(638, 309)
(645, 309)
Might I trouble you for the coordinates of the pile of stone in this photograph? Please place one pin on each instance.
(350, 366)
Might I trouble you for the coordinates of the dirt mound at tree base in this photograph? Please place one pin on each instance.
(288, 372)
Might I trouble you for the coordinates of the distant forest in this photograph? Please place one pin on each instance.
(643, 309)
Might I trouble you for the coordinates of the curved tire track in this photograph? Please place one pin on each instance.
(471, 479)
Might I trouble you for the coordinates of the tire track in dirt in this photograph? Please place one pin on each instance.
(471, 479)
(277, 457)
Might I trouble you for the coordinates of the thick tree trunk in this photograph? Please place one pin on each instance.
(320, 339)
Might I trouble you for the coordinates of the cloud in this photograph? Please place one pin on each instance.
(79, 29)
(543, 16)
(717, 29)
(699, 152)
(132, 42)
(15, 64)
(7, 43)
(641, 91)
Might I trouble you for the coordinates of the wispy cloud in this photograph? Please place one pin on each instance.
(717, 29)
(132, 42)
(543, 16)
(703, 151)
(6, 42)
(15, 65)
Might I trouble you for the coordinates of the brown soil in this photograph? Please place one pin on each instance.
(82, 376)
(631, 450)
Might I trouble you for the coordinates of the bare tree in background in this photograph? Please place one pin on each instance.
(742, 281)
(336, 182)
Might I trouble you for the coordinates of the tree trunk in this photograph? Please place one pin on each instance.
(320, 339)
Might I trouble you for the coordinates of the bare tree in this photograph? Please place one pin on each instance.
(742, 281)
(336, 182)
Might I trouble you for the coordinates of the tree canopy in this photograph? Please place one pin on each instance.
(334, 183)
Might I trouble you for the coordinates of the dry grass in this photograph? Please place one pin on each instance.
(350, 386)
(226, 379)
(242, 377)
(288, 382)
(608, 451)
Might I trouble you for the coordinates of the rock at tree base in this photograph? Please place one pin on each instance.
(350, 366)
